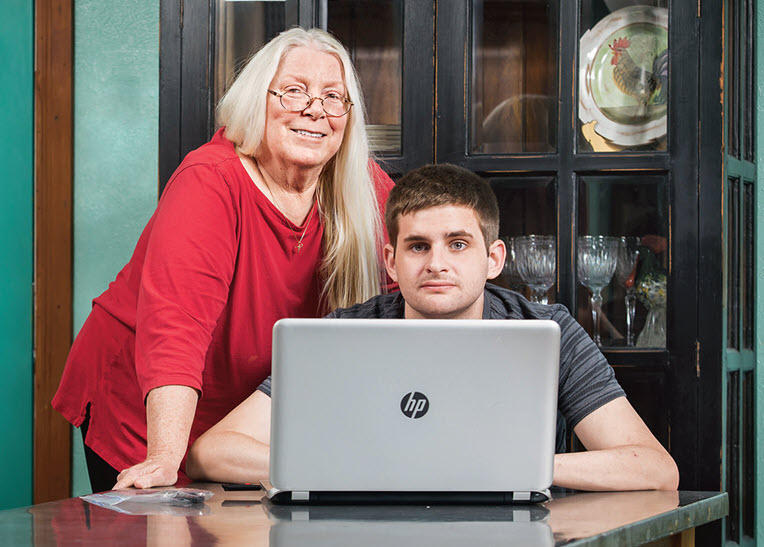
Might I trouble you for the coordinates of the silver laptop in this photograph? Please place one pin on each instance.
(413, 411)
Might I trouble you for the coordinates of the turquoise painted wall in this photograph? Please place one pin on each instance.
(16, 250)
(116, 113)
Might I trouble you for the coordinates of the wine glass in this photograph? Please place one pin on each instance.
(628, 254)
(595, 265)
(536, 262)
(511, 275)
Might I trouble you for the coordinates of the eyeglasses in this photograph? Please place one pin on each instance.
(295, 100)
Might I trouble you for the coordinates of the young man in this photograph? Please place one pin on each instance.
(443, 223)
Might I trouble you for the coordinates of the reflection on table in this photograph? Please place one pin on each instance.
(244, 518)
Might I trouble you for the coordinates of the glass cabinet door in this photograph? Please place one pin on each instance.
(565, 107)
(740, 275)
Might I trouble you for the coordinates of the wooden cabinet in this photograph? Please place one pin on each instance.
(594, 117)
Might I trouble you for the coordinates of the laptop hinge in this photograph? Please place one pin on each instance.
(300, 496)
(521, 496)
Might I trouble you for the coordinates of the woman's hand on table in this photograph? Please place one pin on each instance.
(169, 413)
(154, 471)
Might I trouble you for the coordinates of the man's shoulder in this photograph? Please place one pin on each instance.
(383, 306)
(507, 304)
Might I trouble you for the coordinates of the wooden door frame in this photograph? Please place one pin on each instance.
(54, 158)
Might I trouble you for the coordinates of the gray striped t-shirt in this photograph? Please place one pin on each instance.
(586, 380)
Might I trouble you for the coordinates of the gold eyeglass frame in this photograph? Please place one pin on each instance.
(280, 95)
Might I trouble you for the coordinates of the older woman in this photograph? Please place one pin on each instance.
(278, 215)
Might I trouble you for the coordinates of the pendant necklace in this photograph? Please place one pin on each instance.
(298, 247)
(299, 241)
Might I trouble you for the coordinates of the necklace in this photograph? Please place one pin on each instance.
(299, 241)
(298, 247)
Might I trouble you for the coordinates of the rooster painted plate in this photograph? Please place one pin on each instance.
(623, 76)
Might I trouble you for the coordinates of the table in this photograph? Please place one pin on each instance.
(243, 518)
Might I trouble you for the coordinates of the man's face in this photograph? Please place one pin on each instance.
(441, 264)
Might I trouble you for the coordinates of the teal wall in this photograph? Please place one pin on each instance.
(16, 250)
(116, 112)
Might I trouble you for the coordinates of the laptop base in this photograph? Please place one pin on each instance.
(289, 497)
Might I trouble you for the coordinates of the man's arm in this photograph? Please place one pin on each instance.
(236, 449)
(622, 454)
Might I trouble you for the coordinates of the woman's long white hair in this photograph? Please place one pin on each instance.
(352, 229)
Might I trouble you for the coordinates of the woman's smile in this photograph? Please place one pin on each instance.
(309, 134)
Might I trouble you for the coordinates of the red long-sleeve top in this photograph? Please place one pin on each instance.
(215, 267)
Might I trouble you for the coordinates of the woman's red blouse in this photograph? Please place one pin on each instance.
(215, 267)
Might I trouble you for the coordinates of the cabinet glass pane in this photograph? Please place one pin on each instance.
(242, 27)
(513, 107)
(732, 479)
(733, 79)
(629, 265)
(372, 31)
(747, 467)
(747, 267)
(748, 91)
(527, 207)
(733, 264)
(623, 76)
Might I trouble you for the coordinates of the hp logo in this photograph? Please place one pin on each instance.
(414, 405)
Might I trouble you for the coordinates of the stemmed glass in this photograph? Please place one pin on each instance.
(597, 257)
(536, 258)
(628, 254)
(511, 275)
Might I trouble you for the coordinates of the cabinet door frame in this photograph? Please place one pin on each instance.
(679, 164)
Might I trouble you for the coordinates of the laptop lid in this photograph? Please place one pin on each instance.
(413, 405)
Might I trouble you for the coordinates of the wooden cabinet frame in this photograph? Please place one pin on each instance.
(690, 368)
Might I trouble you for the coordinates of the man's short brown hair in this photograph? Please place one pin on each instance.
(438, 185)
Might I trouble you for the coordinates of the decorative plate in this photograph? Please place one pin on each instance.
(623, 75)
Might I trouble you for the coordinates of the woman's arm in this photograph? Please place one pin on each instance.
(237, 448)
(169, 413)
(622, 454)
(189, 262)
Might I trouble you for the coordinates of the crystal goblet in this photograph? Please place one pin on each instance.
(596, 260)
(511, 275)
(628, 254)
(537, 264)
